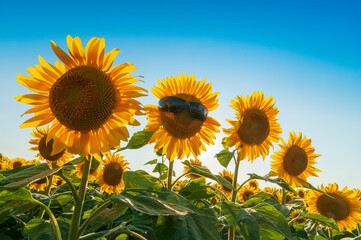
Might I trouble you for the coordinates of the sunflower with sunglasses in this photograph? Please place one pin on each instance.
(180, 122)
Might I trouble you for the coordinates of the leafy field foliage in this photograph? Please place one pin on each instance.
(148, 209)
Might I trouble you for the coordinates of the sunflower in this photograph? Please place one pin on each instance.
(58, 181)
(246, 192)
(17, 162)
(4, 162)
(253, 183)
(255, 128)
(93, 174)
(185, 131)
(229, 177)
(44, 149)
(295, 214)
(269, 190)
(296, 160)
(193, 163)
(39, 185)
(88, 102)
(110, 175)
(289, 196)
(301, 193)
(343, 205)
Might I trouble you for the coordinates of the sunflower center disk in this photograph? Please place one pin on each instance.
(83, 98)
(255, 127)
(41, 181)
(336, 208)
(45, 150)
(295, 161)
(17, 164)
(112, 174)
(181, 124)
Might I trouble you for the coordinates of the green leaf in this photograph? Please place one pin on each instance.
(309, 186)
(251, 202)
(122, 237)
(279, 181)
(160, 168)
(244, 223)
(318, 237)
(138, 140)
(325, 220)
(39, 229)
(275, 217)
(76, 161)
(15, 170)
(141, 222)
(151, 162)
(196, 189)
(27, 176)
(106, 216)
(224, 143)
(102, 234)
(207, 173)
(137, 180)
(224, 157)
(62, 200)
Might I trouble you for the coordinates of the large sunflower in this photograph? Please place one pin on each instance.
(110, 175)
(44, 149)
(344, 206)
(87, 101)
(256, 126)
(179, 134)
(296, 160)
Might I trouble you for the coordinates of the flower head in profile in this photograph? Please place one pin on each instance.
(87, 101)
(296, 160)
(255, 127)
(181, 123)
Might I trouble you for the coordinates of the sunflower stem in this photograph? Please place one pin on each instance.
(52, 218)
(75, 221)
(71, 185)
(175, 181)
(218, 190)
(231, 231)
(283, 193)
(330, 233)
(170, 173)
(358, 229)
(47, 192)
(92, 215)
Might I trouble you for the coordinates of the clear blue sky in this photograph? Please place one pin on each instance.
(307, 54)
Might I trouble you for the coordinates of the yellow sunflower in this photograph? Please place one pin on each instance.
(17, 162)
(4, 162)
(344, 206)
(295, 214)
(88, 102)
(253, 183)
(296, 160)
(246, 192)
(229, 177)
(193, 163)
(93, 174)
(301, 193)
(44, 149)
(256, 126)
(40, 185)
(289, 196)
(182, 127)
(110, 175)
(269, 190)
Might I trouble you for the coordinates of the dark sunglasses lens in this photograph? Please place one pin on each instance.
(198, 111)
(171, 104)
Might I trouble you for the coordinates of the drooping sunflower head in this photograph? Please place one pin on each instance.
(246, 192)
(195, 162)
(16, 162)
(88, 101)
(295, 160)
(45, 148)
(254, 184)
(344, 206)
(110, 175)
(181, 122)
(255, 127)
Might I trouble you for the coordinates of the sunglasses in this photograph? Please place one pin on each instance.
(176, 104)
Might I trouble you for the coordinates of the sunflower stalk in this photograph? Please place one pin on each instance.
(284, 194)
(47, 192)
(175, 181)
(52, 218)
(170, 173)
(75, 221)
(71, 185)
(231, 231)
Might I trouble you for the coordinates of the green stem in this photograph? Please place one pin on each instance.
(92, 215)
(218, 190)
(330, 233)
(70, 184)
(47, 192)
(174, 183)
(231, 231)
(284, 194)
(170, 173)
(239, 188)
(52, 218)
(75, 221)
(358, 229)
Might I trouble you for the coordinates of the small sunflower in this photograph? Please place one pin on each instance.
(253, 183)
(256, 126)
(39, 185)
(4, 162)
(229, 177)
(295, 214)
(88, 101)
(269, 190)
(296, 160)
(44, 149)
(289, 196)
(344, 206)
(110, 175)
(17, 162)
(58, 181)
(301, 193)
(183, 132)
(193, 163)
(246, 192)
(93, 173)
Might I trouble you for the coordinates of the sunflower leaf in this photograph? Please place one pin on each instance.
(137, 180)
(138, 140)
(39, 229)
(224, 157)
(325, 220)
(279, 181)
(309, 186)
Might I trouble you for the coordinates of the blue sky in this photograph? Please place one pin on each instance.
(306, 54)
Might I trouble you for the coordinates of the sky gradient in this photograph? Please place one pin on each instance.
(306, 54)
